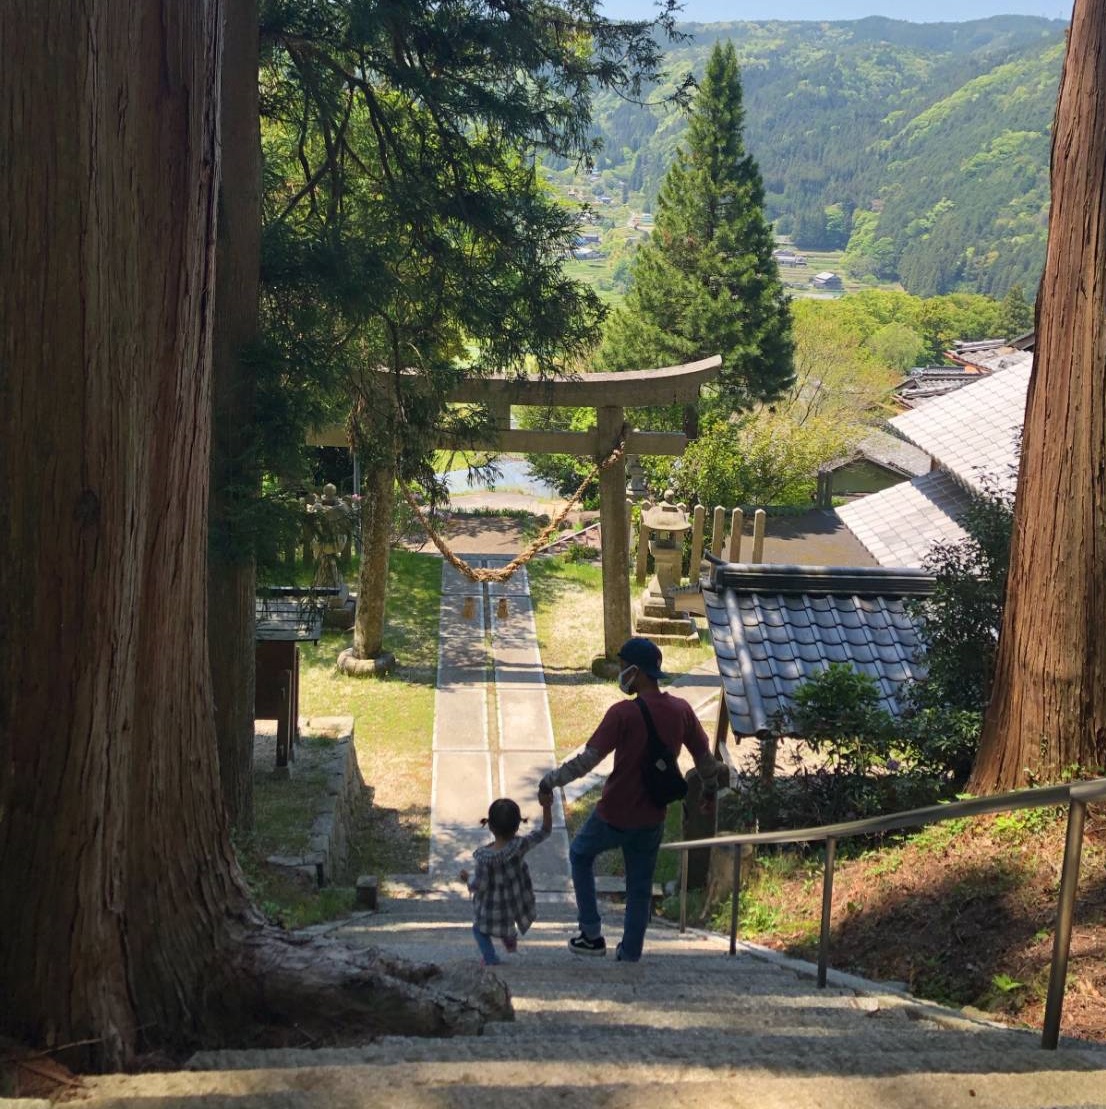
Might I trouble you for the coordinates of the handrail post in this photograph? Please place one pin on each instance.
(1065, 910)
(735, 900)
(827, 905)
(683, 890)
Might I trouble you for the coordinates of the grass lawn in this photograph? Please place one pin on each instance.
(394, 725)
(568, 610)
(393, 716)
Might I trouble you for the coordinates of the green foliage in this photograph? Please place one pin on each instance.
(705, 281)
(838, 712)
(1015, 314)
(760, 458)
(959, 623)
(896, 345)
(405, 226)
(924, 146)
(937, 320)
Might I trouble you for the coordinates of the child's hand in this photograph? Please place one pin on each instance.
(545, 798)
(464, 876)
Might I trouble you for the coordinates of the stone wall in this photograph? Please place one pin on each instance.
(327, 857)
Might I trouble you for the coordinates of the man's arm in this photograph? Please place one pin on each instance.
(571, 769)
(705, 763)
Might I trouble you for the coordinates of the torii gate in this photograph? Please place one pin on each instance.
(610, 394)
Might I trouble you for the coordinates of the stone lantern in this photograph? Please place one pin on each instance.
(667, 523)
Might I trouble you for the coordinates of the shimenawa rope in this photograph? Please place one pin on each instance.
(503, 573)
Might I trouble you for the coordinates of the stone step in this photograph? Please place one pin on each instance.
(886, 1047)
(660, 1087)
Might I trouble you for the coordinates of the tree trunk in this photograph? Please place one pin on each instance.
(232, 575)
(1048, 706)
(378, 499)
(120, 885)
(125, 921)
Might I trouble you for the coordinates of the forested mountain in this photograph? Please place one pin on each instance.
(922, 148)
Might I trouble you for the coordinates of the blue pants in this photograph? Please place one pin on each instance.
(639, 851)
(487, 948)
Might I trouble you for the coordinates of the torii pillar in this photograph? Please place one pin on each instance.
(615, 549)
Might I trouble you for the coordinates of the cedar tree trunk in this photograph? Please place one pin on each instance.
(1048, 706)
(232, 576)
(124, 920)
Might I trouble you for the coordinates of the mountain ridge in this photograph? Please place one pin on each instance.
(921, 148)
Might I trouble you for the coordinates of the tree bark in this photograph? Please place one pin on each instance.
(120, 886)
(1048, 706)
(378, 499)
(232, 571)
(124, 920)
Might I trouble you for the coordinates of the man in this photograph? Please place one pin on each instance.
(625, 816)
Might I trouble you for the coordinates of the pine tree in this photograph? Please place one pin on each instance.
(706, 282)
(1015, 313)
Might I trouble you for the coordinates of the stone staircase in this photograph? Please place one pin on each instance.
(687, 1026)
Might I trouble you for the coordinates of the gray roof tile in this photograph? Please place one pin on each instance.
(900, 525)
(775, 627)
(974, 432)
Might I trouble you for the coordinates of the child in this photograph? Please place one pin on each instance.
(502, 894)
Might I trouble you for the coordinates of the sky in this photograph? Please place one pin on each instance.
(929, 11)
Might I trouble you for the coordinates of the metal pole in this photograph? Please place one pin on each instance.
(683, 890)
(827, 905)
(736, 897)
(1065, 910)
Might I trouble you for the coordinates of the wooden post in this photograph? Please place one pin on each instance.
(760, 519)
(721, 724)
(284, 740)
(737, 526)
(717, 530)
(294, 702)
(698, 520)
(616, 534)
(641, 569)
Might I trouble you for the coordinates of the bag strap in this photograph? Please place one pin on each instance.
(657, 749)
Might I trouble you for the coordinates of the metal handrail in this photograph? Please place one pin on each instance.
(1076, 795)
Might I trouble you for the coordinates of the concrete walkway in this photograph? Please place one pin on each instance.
(493, 736)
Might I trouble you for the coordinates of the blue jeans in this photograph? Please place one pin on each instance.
(487, 948)
(639, 851)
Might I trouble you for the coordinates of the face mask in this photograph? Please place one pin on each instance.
(626, 679)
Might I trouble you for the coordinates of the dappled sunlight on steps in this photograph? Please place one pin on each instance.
(687, 1026)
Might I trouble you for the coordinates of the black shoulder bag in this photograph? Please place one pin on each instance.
(662, 778)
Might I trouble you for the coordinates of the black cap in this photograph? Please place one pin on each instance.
(644, 654)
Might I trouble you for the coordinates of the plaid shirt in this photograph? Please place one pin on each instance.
(502, 893)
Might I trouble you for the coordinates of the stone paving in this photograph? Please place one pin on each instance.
(493, 736)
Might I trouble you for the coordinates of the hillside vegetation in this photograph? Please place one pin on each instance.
(920, 149)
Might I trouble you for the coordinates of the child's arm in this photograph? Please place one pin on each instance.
(539, 835)
(546, 802)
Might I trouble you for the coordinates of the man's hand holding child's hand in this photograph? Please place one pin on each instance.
(463, 876)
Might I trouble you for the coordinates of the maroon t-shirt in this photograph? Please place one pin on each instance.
(625, 804)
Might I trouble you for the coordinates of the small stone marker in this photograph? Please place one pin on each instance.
(365, 897)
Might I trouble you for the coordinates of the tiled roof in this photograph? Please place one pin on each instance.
(899, 525)
(775, 627)
(974, 432)
(890, 450)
